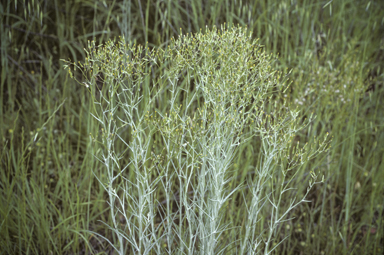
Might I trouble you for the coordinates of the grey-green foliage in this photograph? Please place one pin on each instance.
(181, 114)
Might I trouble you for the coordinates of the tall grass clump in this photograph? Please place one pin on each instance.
(171, 122)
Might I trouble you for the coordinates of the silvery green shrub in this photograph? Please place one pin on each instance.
(171, 122)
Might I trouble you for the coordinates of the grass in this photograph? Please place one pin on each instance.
(51, 200)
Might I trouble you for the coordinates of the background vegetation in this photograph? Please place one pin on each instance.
(334, 49)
